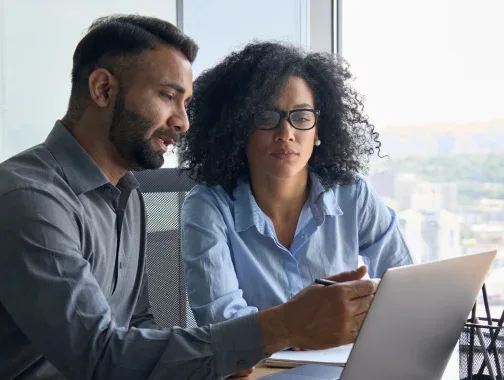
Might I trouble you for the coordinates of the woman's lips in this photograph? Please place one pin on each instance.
(284, 154)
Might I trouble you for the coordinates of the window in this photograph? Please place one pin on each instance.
(37, 41)
(36, 65)
(432, 76)
(224, 28)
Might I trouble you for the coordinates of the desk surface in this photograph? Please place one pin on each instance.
(451, 373)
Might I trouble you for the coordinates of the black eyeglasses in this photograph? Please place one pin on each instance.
(302, 119)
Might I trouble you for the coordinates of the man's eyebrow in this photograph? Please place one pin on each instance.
(177, 87)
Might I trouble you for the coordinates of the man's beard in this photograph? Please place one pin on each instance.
(127, 133)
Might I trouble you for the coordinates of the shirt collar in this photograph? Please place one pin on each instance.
(80, 170)
(246, 210)
(247, 213)
(322, 202)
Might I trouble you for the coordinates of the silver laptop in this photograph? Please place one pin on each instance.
(413, 324)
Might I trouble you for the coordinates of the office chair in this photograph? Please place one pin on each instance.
(164, 191)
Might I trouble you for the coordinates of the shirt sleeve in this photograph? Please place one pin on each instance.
(381, 243)
(142, 317)
(48, 290)
(212, 285)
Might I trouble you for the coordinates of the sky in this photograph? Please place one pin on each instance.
(428, 61)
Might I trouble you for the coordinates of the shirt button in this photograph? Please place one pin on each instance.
(121, 265)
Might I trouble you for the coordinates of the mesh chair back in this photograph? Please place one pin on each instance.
(164, 191)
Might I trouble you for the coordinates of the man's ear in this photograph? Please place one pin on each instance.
(103, 87)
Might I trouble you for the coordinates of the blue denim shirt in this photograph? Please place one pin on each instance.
(235, 265)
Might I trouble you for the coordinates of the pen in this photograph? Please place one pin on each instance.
(322, 281)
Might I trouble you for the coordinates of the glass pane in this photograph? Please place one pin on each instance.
(266, 119)
(431, 73)
(283, 20)
(303, 119)
(36, 61)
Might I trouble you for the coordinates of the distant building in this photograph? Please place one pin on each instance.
(384, 183)
(431, 235)
(449, 197)
(435, 196)
(426, 196)
(409, 191)
(405, 184)
(426, 213)
(485, 211)
(483, 238)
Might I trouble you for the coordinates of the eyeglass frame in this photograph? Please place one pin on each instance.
(287, 114)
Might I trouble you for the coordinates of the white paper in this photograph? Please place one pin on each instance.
(338, 355)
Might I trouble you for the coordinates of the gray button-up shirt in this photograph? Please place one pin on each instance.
(73, 288)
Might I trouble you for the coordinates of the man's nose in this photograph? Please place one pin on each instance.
(180, 122)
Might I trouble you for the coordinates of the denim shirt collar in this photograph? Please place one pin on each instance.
(247, 213)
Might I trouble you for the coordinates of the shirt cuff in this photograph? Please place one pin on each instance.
(238, 344)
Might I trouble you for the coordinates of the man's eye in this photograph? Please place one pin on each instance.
(167, 96)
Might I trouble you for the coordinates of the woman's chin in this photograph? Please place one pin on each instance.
(284, 175)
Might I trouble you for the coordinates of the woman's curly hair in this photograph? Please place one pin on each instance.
(227, 95)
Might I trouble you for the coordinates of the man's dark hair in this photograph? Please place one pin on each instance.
(111, 40)
(226, 97)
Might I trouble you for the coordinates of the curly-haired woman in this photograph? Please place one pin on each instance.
(277, 140)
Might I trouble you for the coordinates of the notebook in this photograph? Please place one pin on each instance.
(289, 359)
